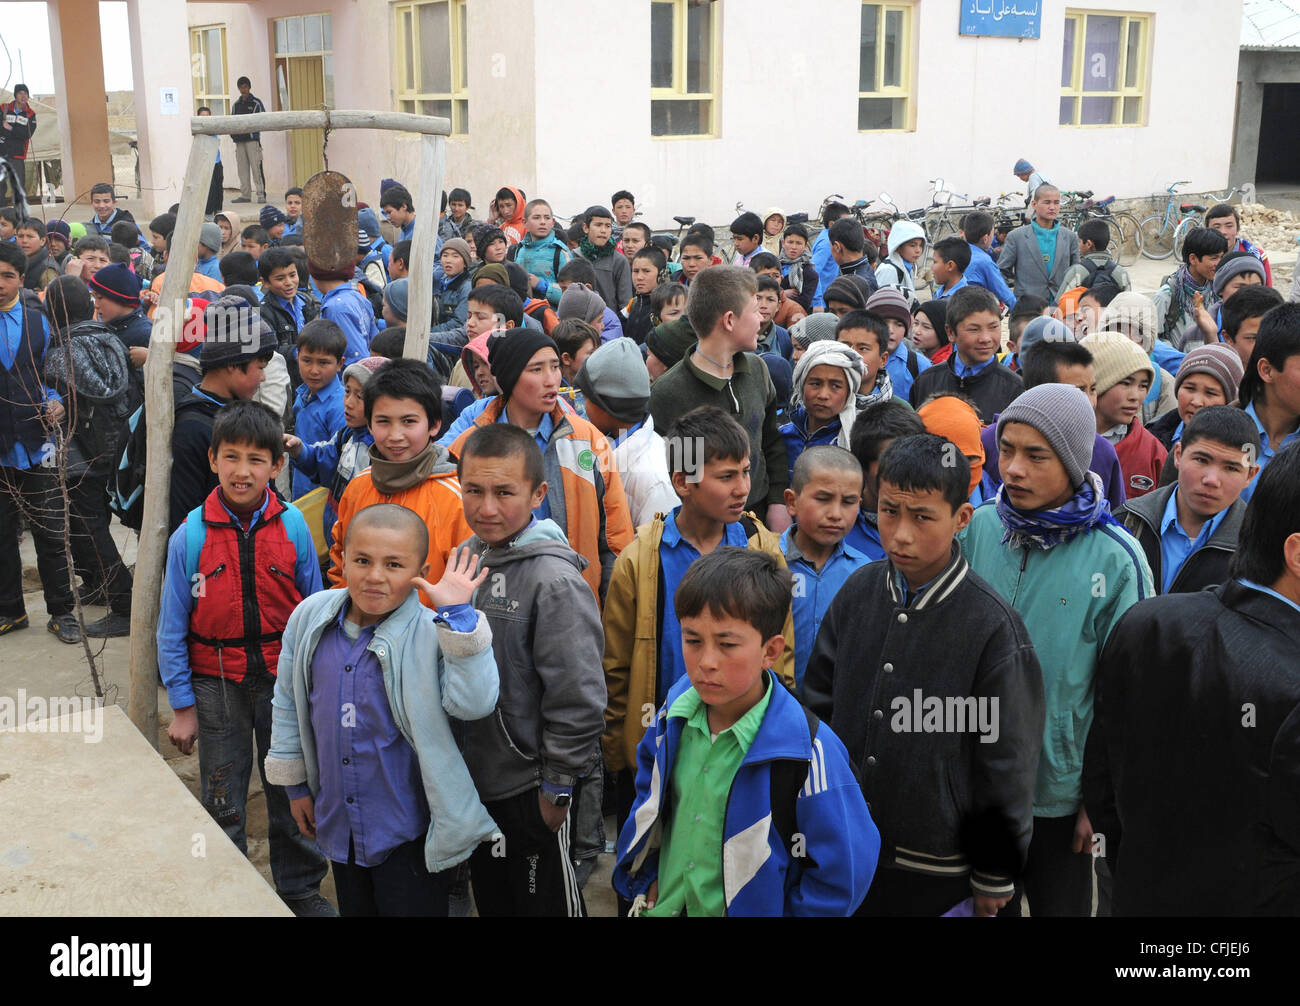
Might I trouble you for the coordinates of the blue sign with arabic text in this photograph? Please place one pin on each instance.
(1003, 18)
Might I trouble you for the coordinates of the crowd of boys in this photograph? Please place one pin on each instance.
(838, 598)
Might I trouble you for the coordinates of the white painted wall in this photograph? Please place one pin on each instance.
(789, 111)
(542, 119)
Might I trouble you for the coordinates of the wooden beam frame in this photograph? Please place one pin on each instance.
(169, 320)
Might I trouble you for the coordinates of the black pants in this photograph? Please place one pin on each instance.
(526, 870)
(1056, 881)
(399, 886)
(215, 193)
(905, 894)
(32, 493)
(94, 553)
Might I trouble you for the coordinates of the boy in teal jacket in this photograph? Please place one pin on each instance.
(1049, 545)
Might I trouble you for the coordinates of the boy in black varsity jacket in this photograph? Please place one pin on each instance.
(929, 677)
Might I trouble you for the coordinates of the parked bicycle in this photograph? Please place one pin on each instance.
(1158, 229)
(1125, 229)
(1192, 220)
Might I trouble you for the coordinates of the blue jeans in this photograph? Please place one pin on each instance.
(230, 717)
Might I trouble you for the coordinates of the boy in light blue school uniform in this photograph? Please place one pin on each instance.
(823, 500)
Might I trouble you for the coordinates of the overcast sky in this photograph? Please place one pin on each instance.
(25, 30)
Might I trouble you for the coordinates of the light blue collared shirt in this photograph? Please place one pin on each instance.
(1269, 591)
(1175, 545)
(1266, 452)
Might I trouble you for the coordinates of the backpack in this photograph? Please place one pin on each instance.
(126, 481)
(90, 363)
(539, 310)
(512, 255)
(1099, 275)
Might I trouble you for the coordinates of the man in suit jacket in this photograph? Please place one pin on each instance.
(1037, 256)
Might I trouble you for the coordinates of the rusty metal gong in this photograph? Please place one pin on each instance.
(329, 211)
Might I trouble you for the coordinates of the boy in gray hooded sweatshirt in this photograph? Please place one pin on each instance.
(536, 759)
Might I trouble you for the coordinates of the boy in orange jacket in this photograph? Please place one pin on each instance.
(403, 403)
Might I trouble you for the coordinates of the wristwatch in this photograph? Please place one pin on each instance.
(556, 799)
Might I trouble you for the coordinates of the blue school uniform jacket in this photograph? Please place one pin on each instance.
(797, 440)
(760, 877)
(317, 417)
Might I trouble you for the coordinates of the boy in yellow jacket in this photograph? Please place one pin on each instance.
(708, 459)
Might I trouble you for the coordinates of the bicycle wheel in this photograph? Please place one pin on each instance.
(1130, 247)
(1180, 233)
(1157, 237)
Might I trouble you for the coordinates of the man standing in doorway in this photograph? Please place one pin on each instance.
(248, 146)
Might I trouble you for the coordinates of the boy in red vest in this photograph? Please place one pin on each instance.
(236, 568)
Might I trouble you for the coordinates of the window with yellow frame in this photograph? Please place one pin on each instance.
(885, 67)
(432, 78)
(684, 60)
(208, 68)
(1104, 66)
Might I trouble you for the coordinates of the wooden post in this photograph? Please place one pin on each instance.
(169, 322)
(433, 158)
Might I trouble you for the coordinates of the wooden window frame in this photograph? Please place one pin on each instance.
(203, 98)
(678, 91)
(1141, 90)
(907, 68)
(456, 41)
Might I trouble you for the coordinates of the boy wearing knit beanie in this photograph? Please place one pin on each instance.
(1209, 375)
(616, 386)
(1124, 375)
(585, 491)
(905, 363)
(335, 461)
(824, 403)
(1188, 529)
(1051, 548)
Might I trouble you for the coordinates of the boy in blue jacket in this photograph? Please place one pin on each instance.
(745, 803)
(400, 671)
(345, 453)
(318, 406)
(237, 567)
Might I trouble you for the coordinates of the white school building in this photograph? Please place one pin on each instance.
(694, 105)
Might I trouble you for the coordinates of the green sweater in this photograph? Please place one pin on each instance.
(750, 397)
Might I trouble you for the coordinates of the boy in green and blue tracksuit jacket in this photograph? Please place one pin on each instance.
(764, 817)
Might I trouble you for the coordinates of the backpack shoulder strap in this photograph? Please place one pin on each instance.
(195, 533)
(512, 253)
(788, 778)
(555, 260)
(913, 367)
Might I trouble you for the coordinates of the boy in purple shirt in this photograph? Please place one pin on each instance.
(361, 734)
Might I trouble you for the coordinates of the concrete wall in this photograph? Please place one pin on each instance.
(789, 134)
(502, 146)
(788, 113)
(1255, 69)
(158, 62)
(79, 82)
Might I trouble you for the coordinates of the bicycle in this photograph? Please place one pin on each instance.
(1158, 229)
(1125, 229)
(1189, 221)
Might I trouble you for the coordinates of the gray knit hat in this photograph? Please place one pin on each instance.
(461, 247)
(813, 328)
(364, 369)
(582, 303)
(1063, 415)
(234, 334)
(1235, 264)
(1044, 329)
(210, 237)
(615, 380)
